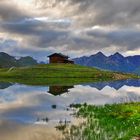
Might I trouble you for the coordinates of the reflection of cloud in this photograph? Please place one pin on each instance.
(19, 96)
(105, 96)
(27, 103)
(15, 131)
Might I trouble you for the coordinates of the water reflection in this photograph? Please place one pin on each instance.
(58, 90)
(116, 84)
(50, 104)
(4, 85)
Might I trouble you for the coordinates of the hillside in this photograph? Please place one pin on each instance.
(57, 72)
(7, 61)
(116, 62)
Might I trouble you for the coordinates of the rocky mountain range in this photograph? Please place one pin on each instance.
(115, 62)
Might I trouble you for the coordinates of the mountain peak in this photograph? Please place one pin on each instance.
(3, 54)
(117, 55)
(100, 54)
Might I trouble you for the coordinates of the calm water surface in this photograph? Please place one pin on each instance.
(49, 105)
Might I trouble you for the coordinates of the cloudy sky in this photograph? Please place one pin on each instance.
(74, 27)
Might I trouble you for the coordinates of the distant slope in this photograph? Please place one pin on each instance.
(7, 61)
(26, 61)
(116, 62)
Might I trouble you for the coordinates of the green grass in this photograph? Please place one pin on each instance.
(58, 73)
(109, 122)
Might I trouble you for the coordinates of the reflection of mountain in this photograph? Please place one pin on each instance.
(4, 85)
(116, 84)
(57, 90)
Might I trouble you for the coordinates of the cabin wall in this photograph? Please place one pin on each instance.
(56, 59)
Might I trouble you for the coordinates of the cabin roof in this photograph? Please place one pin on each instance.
(58, 54)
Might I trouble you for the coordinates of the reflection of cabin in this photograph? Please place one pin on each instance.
(59, 58)
(57, 90)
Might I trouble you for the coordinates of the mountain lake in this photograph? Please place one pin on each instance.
(33, 112)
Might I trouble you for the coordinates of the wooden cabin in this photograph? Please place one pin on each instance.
(59, 58)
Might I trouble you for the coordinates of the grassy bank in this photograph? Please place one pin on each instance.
(59, 73)
(109, 122)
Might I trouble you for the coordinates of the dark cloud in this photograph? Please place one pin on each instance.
(99, 12)
(22, 28)
(11, 12)
(122, 38)
(37, 33)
